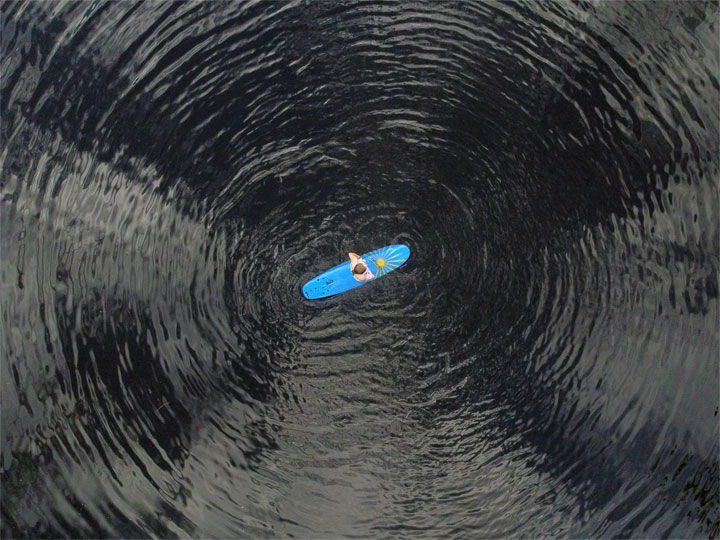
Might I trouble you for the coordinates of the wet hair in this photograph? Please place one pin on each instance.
(360, 268)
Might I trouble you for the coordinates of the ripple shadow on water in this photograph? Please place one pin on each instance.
(544, 364)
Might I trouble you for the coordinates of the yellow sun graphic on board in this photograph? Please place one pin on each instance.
(386, 259)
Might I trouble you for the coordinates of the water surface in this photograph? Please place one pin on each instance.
(545, 364)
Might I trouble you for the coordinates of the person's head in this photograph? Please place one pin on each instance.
(359, 269)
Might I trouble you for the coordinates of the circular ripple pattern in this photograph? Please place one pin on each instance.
(545, 363)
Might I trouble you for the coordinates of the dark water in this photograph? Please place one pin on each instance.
(545, 364)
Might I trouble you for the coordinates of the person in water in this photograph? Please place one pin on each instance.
(360, 270)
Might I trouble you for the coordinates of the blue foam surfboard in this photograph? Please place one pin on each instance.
(340, 279)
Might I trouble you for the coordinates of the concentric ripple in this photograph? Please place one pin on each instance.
(545, 363)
